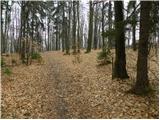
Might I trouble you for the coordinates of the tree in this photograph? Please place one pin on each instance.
(110, 23)
(48, 22)
(2, 32)
(142, 82)
(57, 32)
(63, 26)
(7, 18)
(120, 57)
(95, 26)
(68, 28)
(90, 31)
(103, 39)
(78, 31)
(154, 27)
(131, 7)
(134, 28)
(74, 27)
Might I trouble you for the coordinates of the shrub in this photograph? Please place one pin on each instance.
(104, 57)
(36, 55)
(2, 62)
(7, 71)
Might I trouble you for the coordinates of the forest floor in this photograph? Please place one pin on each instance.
(64, 88)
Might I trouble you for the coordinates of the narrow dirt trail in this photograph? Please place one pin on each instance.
(64, 88)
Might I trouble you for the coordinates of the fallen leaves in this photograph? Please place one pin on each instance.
(61, 89)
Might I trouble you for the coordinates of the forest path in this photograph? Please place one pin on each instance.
(64, 88)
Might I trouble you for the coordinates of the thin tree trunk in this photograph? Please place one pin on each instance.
(2, 33)
(57, 37)
(63, 28)
(134, 29)
(110, 24)
(95, 27)
(6, 22)
(48, 35)
(78, 35)
(99, 31)
(103, 41)
(74, 27)
(134, 38)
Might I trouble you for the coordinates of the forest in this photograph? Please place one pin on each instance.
(79, 59)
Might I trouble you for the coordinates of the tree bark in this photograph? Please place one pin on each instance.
(103, 41)
(63, 26)
(134, 29)
(6, 28)
(2, 33)
(142, 82)
(90, 32)
(48, 34)
(120, 58)
(74, 27)
(110, 23)
(78, 32)
(134, 38)
(57, 37)
(95, 27)
(68, 28)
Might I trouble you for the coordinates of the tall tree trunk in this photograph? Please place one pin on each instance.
(17, 43)
(142, 83)
(63, 28)
(120, 58)
(134, 29)
(129, 37)
(12, 39)
(23, 30)
(78, 35)
(82, 36)
(2, 33)
(66, 34)
(48, 35)
(110, 23)
(6, 28)
(134, 38)
(57, 37)
(90, 31)
(28, 41)
(68, 28)
(32, 26)
(74, 27)
(103, 39)
(63, 39)
(99, 36)
(95, 27)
